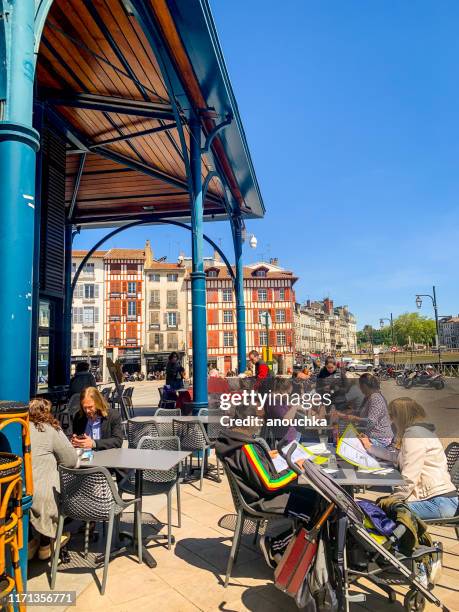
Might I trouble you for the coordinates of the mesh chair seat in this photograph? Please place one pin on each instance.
(167, 412)
(86, 494)
(452, 454)
(193, 438)
(136, 430)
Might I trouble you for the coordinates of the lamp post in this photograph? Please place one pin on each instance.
(433, 297)
(391, 321)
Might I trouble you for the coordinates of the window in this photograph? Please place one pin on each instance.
(227, 295)
(262, 295)
(154, 319)
(154, 298)
(88, 268)
(212, 273)
(115, 268)
(281, 295)
(74, 267)
(154, 278)
(88, 316)
(132, 310)
(280, 316)
(91, 292)
(262, 314)
(172, 278)
(281, 340)
(263, 338)
(77, 315)
(227, 316)
(171, 319)
(132, 287)
(132, 267)
(228, 339)
(155, 342)
(261, 272)
(172, 341)
(172, 299)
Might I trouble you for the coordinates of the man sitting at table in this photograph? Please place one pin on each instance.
(95, 426)
(262, 486)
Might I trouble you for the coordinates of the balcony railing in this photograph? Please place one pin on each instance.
(115, 294)
(88, 324)
(114, 341)
(154, 305)
(131, 317)
(131, 341)
(154, 326)
(115, 317)
(171, 305)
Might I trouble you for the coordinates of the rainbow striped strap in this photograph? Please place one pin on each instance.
(272, 484)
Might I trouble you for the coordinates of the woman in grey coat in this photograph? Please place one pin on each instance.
(50, 448)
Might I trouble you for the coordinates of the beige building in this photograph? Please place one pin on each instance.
(88, 311)
(320, 327)
(165, 311)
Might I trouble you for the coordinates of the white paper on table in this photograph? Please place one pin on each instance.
(299, 453)
(351, 449)
(318, 449)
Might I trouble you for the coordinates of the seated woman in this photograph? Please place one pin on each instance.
(95, 426)
(420, 457)
(50, 448)
(374, 416)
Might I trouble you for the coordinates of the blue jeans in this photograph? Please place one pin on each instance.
(434, 508)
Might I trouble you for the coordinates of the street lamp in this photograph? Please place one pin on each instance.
(433, 297)
(391, 321)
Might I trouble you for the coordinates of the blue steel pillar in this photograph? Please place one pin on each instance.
(198, 277)
(68, 295)
(18, 145)
(239, 291)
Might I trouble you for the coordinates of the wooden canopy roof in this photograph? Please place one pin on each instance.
(120, 78)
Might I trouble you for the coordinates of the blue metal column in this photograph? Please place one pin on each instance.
(198, 277)
(68, 295)
(239, 291)
(18, 145)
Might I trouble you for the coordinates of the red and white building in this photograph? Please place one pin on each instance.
(267, 288)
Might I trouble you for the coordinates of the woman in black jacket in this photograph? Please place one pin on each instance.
(95, 426)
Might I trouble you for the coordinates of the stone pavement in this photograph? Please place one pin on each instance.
(189, 577)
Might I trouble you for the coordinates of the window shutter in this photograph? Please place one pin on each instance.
(165, 318)
(288, 337)
(96, 315)
(96, 291)
(213, 339)
(254, 295)
(257, 338)
(212, 295)
(272, 338)
(270, 295)
(190, 339)
(96, 339)
(80, 340)
(287, 295)
(272, 312)
(288, 315)
(124, 308)
(178, 318)
(212, 316)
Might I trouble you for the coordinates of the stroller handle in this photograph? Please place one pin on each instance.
(288, 456)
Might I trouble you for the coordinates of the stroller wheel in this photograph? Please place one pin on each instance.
(414, 601)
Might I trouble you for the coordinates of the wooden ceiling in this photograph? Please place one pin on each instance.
(103, 86)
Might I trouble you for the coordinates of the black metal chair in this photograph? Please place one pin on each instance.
(244, 512)
(452, 454)
(87, 495)
(127, 397)
(159, 482)
(214, 429)
(167, 412)
(454, 520)
(193, 437)
(138, 429)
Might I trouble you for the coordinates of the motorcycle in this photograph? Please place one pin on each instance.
(421, 379)
(401, 377)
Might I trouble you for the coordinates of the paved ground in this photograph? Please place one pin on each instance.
(189, 577)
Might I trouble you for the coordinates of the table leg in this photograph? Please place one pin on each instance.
(146, 556)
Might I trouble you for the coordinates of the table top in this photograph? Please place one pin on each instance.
(136, 459)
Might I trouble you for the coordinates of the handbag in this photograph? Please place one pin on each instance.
(297, 559)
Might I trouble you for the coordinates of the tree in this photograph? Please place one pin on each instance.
(415, 328)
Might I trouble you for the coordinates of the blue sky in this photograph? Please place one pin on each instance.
(351, 111)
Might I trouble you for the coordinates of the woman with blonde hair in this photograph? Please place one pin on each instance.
(95, 425)
(419, 455)
(50, 448)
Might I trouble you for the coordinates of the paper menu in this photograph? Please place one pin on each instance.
(351, 449)
(299, 453)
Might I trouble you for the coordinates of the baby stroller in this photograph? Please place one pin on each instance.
(344, 531)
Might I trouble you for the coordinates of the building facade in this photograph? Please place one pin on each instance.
(320, 327)
(88, 311)
(449, 332)
(165, 311)
(268, 289)
(124, 307)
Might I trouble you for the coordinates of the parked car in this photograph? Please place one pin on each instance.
(359, 366)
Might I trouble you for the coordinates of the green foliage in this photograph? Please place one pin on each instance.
(409, 328)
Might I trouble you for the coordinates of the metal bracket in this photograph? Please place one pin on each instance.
(211, 135)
